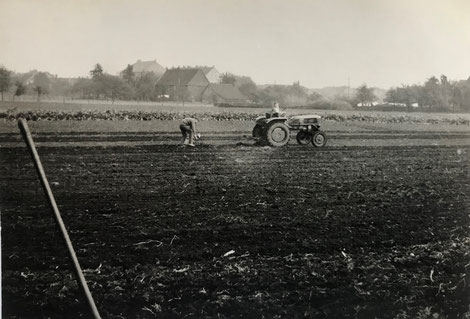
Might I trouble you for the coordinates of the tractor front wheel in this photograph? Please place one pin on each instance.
(277, 134)
(304, 138)
(319, 139)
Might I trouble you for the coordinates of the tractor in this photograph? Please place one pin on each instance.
(275, 129)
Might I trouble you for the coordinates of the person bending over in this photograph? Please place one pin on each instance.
(188, 127)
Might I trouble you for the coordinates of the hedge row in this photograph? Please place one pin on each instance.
(206, 116)
(124, 115)
(390, 118)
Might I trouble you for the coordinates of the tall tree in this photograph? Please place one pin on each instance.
(247, 87)
(365, 95)
(114, 87)
(20, 89)
(97, 76)
(404, 95)
(128, 74)
(432, 93)
(97, 72)
(461, 94)
(145, 86)
(5, 80)
(41, 84)
(446, 93)
(83, 87)
(227, 78)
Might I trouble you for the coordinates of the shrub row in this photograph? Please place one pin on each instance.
(206, 116)
(390, 118)
(123, 115)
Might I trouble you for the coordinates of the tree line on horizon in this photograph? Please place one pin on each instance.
(436, 94)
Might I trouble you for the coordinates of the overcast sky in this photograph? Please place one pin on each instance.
(319, 43)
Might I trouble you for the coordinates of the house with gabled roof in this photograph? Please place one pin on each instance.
(218, 93)
(183, 84)
(211, 73)
(141, 67)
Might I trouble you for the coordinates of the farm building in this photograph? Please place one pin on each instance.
(211, 73)
(224, 93)
(141, 67)
(183, 84)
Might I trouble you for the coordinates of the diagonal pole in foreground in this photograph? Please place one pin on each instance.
(23, 125)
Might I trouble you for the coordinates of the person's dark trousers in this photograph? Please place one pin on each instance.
(185, 130)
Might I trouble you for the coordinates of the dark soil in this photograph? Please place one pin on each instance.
(342, 232)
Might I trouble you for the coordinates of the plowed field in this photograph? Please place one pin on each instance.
(375, 225)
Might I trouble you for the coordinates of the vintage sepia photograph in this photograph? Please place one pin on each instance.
(235, 159)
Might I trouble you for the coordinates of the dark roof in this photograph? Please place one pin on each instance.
(204, 68)
(180, 76)
(227, 91)
(147, 66)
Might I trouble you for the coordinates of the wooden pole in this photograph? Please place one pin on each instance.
(23, 125)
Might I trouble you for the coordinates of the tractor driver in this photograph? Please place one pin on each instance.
(275, 108)
(188, 126)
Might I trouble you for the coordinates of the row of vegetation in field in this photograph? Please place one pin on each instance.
(11, 115)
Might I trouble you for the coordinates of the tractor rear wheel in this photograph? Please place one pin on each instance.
(304, 138)
(319, 139)
(277, 134)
